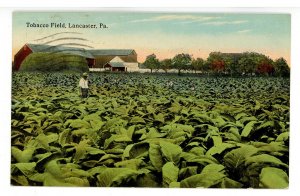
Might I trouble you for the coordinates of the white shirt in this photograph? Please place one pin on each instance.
(83, 83)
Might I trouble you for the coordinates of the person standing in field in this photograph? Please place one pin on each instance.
(83, 85)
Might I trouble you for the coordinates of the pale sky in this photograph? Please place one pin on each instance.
(164, 34)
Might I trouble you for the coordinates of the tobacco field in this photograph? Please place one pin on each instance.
(143, 130)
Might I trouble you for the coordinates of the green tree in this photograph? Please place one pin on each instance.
(216, 62)
(249, 62)
(206, 68)
(265, 66)
(230, 65)
(246, 64)
(181, 62)
(166, 64)
(151, 62)
(281, 67)
(198, 64)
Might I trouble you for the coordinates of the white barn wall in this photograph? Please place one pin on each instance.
(117, 59)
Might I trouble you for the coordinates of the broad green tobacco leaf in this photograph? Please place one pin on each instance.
(219, 148)
(179, 139)
(127, 151)
(116, 138)
(169, 173)
(22, 156)
(73, 171)
(111, 123)
(188, 156)
(116, 176)
(283, 137)
(131, 163)
(198, 151)
(248, 128)
(204, 180)
(147, 180)
(159, 117)
(50, 180)
(211, 168)
(273, 147)
(141, 131)
(58, 175)
(38, 119)
(177, 135)
(114, 151)
(20, 180)
(153, 133)
(28, 169)
(274, 178)
(77, 123)
(44, 140)
(43, 159)
(193, 144)
(264, 158)
(185, 111)
(218, 121)
(137, 150)
(80, 132)
(77, 181)
(242, 114)
(96, 170)
(123, 135)
(176, 119)
(53, 168)
(121, 111)
(92, 117)
(175, 108)
(81, 150)
(90, 163)
(235, 158)
(233, 134)
(171, 151)
(217, 140)
(281, 108)
(211, 130)
(130, 131)
(265, 125)
(248, 119)
(96, 124)
(55, 128)
(137, 120)
(108, 156)
(175, 127)
(201, 159)
(202, 117)
(187, 172)
(174, 185)
(229, 183)
(155, 156)
(150, 109)
(94, 151)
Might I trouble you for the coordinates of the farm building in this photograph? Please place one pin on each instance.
(27, 49)
(115, 60)
(112, 59)
(118, 64)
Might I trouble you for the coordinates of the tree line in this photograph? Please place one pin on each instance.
(234, 64)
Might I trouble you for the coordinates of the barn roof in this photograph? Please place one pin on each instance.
(112, 52)
(63, 49)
